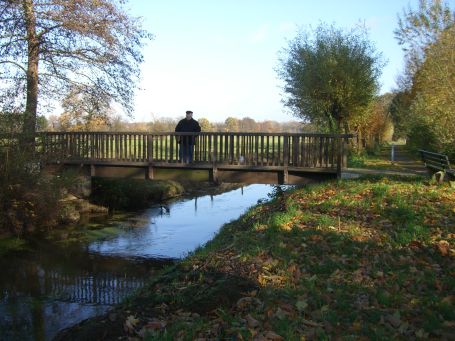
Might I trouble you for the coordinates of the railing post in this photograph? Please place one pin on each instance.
(231, 149)
(285, 150)
(285, 158)
(149, 148)
(214, 174)
(149, 157)
(295, 151)
(345, 144)
(339, 155)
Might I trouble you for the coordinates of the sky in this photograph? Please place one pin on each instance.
(218, 58)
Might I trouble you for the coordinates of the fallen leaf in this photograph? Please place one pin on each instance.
(272, 336)
(301, 305)
(356, 326)
(449, 324)
(311, 323)
(130, 323)
(421, 334)
(252, 322)
(394, 320)
(443, 247)
(448, 299)
(155, 325)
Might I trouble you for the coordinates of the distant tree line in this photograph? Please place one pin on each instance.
(72, 121)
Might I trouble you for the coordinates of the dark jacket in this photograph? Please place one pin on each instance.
(187, 126)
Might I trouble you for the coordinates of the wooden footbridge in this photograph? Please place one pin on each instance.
(280, 158)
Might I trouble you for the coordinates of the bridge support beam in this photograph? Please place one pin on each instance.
(285, 175)
(149, 175)
(214, 175)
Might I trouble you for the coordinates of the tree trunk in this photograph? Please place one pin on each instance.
(29, 127)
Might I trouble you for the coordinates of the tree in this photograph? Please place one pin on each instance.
(434, 85)
(425, 103)
(232, 124)
(49, 46)
(86, 109)
(330, 75)
(375, 125)
(418, 29)
(400, 113)
(247, 124)
(205, 124)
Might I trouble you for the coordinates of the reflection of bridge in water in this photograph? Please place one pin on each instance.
(75, 276)
(270, 158)
(101, 288)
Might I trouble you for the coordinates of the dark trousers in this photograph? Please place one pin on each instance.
(186, 153)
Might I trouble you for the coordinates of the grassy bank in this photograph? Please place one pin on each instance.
(368, 258)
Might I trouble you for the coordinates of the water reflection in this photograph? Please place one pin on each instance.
(52, 287)
(174, 230)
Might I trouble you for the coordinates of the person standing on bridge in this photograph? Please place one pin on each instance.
(187, 125)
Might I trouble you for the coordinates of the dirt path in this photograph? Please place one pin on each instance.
(405, 163)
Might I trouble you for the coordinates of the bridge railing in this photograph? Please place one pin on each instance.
(249, 149)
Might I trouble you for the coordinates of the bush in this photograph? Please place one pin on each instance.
(28, 198)
(422, 136)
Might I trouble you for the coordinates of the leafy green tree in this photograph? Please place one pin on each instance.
(424, 108)
(418, 29)
(48, 46)
(330, 75)
(232, 124)
(205, 124)
(85, 108)
(400, 113)
(434, 84)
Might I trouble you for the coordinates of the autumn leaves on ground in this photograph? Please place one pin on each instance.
(368, 258)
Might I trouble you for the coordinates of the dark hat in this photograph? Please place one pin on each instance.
(189, 112)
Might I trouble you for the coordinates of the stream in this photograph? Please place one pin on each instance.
(53, 285)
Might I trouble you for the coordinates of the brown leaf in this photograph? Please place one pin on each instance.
(311, 323)
(449, 299)
(130, 323)
(443, 247)
(252, 322)
(449, 324)
(246, 302)
(394, 319)
(155, 325)
(269, 336)
(415, 244)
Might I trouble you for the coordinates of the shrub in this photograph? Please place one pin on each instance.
(28, 198)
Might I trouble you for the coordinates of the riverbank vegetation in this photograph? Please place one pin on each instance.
(132, 193)
(371, 258)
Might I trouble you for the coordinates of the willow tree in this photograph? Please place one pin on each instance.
(48, 47)
(330, 75)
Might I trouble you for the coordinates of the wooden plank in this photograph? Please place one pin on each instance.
(286, 151)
